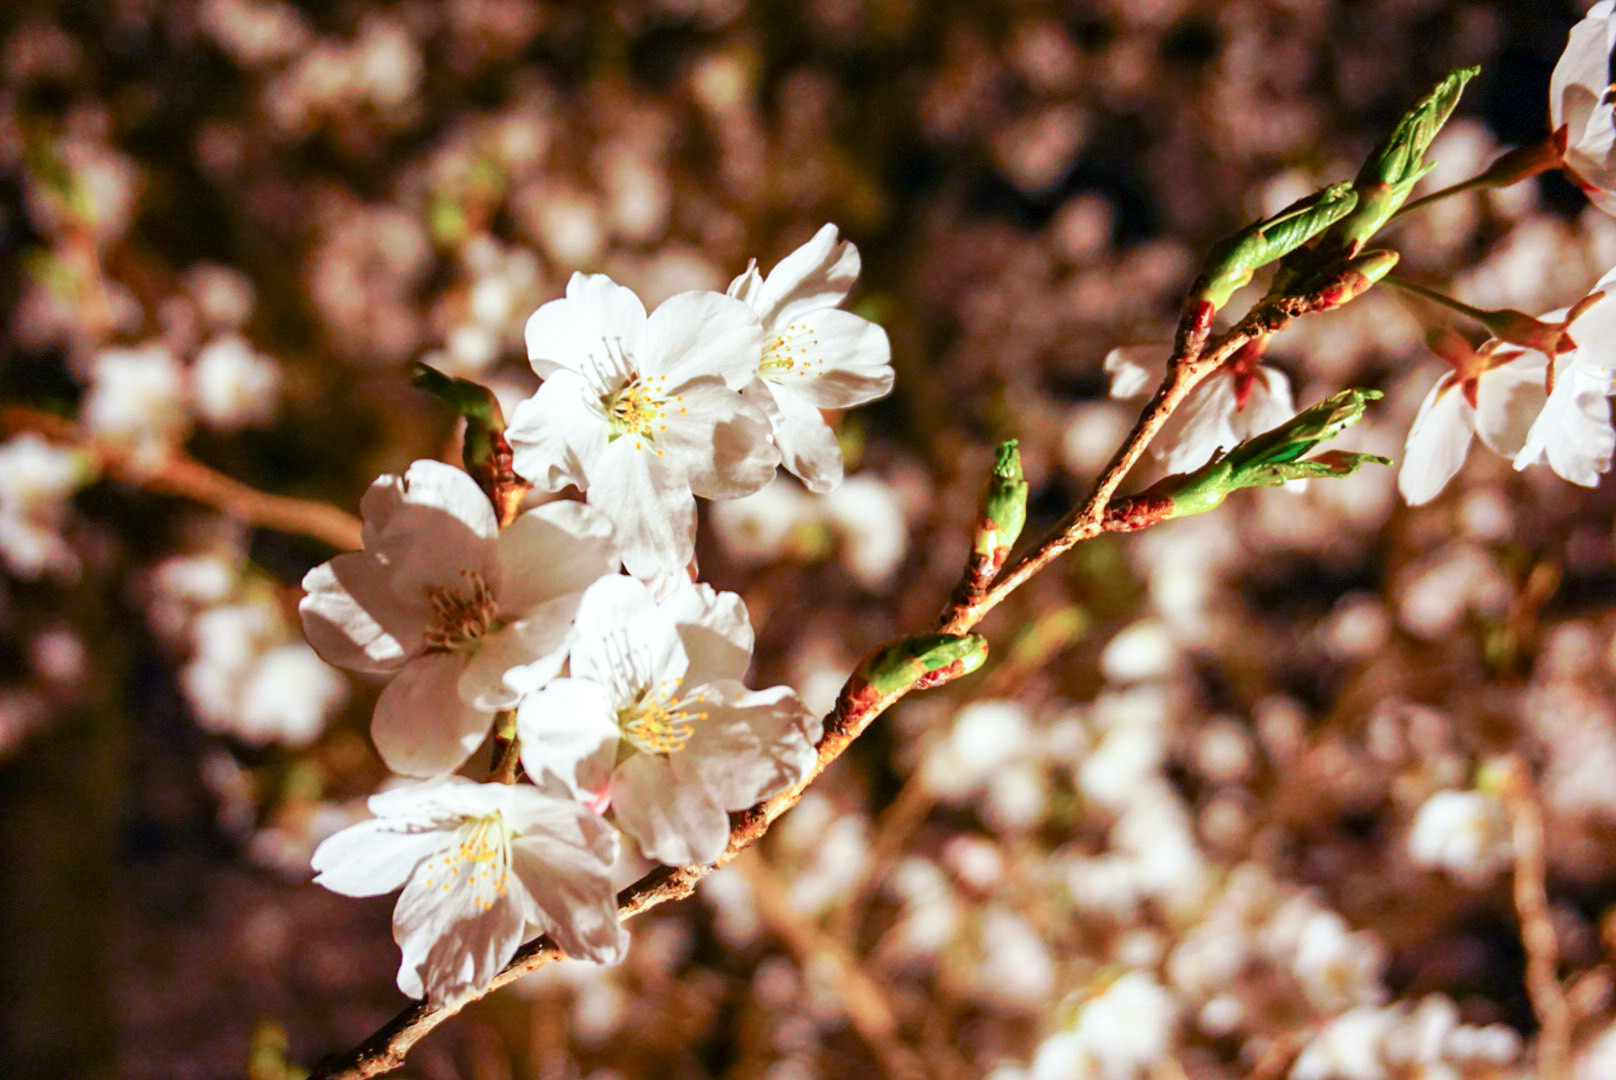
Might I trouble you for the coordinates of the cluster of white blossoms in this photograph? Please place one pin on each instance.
(623, 690)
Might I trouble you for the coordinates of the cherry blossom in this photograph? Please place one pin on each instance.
(643, 412)
(1242, 398)
(1580, 101)
(1491, 393)
(655, 723)
(816, 356)
(1573, 433)
(484, 867)
(463, 616)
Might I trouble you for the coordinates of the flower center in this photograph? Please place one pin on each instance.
(792, 351)
(460, 617)
(637, 408)
(479, 860)
(658, 723)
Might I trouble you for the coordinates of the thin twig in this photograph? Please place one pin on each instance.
(188, 478)
(1537, 925)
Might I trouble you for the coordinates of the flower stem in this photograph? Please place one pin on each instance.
(1398, 282)
(507, 761)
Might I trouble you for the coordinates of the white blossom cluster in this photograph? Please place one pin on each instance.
(624, 691)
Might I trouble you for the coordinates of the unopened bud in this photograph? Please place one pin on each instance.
(925, 660)
(1004, 508)
(1232, 261)
(1356, 277)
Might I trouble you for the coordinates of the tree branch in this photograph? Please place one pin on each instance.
(188, 478)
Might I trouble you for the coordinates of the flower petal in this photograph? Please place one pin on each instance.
(1573, 433)
(807, 445)
(621, 627)
(1508, 399)
(722, 445)
(569, 729)
(421, 726)
(521, 657)
(452, 944)
(701, 333)
(353, 618)
(553, 550)
(572, 892)
(1437, 443)
(1201, 427)
(751, 745)
(836, 359)
(674, 822)
(816, 275)
(375, 856)
(715, 630)
(576, 332)
(652, 509)
(559, 433)
(1134, 369)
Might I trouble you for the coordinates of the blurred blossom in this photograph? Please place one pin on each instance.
(1016, 971)
(137, 402)
(760, 527)
(233, 386)
(287, 696)
(1142, 650)
(36, 482)
(254, 32)
(866, 515)
(986, 736)
(1093, 431)
(58, 655)
(1435, 594)
(223, 294)
(1465, 833)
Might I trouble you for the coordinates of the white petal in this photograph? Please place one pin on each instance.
(569, 729)
(817, 275)
(1437, 443)
(426, 484)
(621, 627)
(576, 333)
(451, 945)
(722, 446)
(1135, 369)
(558, 433)
(751, 745)
(837, 359)
(1578, 84)
(373, 857)
(421, 726)
(1573, 433)
(1508, 399)
(703, 333)
(430, 528)
(572, 891)
(521, 657)
(675, 823)
(353, 618)
(807, 445)
(653, 512)
(1268, 406)
(715, 629)
(1201, 427)
(552, 550)
(747, 287)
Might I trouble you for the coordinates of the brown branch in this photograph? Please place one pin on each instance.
(859, 703)
(1538, 938)
(189, 479)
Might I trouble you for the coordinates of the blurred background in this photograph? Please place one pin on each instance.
(1211, 811)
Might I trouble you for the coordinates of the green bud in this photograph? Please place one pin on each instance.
(1398, 163)
(926, 659)
(1004, 507)
(1232, 261)
(1269, 460)
(485, 453)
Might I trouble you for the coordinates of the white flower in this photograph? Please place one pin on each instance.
(655, 722)
(1465, 833)
(1129, 1027)
(36, 482)
(1573, 433)
(643, 412)
(484, 867)
(463, 616)
(287, 697)
(233, 386)
(816, 356)
(137, 401)
(1489, 393)
(1579, 100)
(1242, 398)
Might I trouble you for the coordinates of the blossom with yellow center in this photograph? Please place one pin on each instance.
(815, 356)
(481, 866)
(643, 412)
(654, 722)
